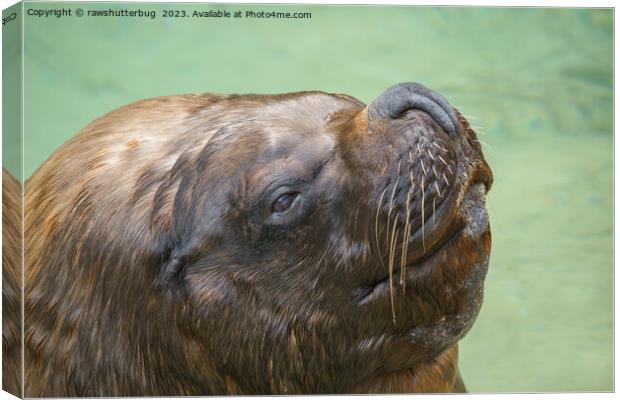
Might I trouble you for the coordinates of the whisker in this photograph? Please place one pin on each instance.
(403, 259)
(484, 144)
(392, 200)
(479, 130)
(385, 169)
(391, 248)
(408, 235)
(423, 241)
(439, 147)
(438, 192)
(391, 267)
(469, 117)
(377, 225)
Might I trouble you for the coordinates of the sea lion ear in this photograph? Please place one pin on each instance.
(175, 260)
(399, 98)
(172, 269)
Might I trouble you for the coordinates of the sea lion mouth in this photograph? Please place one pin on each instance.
(381, 288)
(468, 220)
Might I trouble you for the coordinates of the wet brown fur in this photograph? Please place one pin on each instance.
(11, 286)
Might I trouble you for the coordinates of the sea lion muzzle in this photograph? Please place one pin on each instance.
(393, 102)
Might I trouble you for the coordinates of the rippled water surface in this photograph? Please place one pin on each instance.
(538, 83)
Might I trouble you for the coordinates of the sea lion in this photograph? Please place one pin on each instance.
(213, 244)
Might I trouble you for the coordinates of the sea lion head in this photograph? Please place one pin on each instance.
(255, 244)
(318, 244)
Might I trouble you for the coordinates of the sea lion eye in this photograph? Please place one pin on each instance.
(284, 202)
(287, 205)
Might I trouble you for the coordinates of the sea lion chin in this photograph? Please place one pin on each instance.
(257, 244)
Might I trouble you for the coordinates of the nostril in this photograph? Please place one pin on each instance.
(399, 98)
(428, 105)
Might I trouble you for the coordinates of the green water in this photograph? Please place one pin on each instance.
(538, 82)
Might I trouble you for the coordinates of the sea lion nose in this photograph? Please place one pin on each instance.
(399, 98)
